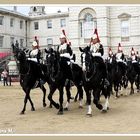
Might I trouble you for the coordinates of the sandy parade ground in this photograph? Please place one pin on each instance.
(123, 116)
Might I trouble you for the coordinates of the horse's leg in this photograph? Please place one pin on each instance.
(68, 96)
(27, 91)
(32, 105)
(75, 99)
(116, 90)
(121, 86)
(50, 106)
(52, 90)
(88, 95)
(80, 91)
(60, 112)
(111, 88)
(106, 93)
(96, 94)
(126, 82)
(138, 83)
(132, 89)
(44, 95)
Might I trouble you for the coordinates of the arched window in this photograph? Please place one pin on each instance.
(88, 17)
(87, 23)
(88, 26)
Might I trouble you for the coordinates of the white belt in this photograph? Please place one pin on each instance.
(33, 59)
(96, 54)
(67, 55)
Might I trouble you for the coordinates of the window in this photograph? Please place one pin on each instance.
(49, 24)
(88, 26)
(21, 42)
(11, 40)
(34, 9)
(11, 22)
(21, 24)
(1, 41)
(36, 26)
(63, 22)
(81, 29)
(50, 41)
(125, 30)
(1, 20)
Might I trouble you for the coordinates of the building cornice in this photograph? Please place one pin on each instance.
(40, 17)
(50, 16)
(13, 13)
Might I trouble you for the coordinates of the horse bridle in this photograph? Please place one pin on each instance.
(85, 72)
(52, 68)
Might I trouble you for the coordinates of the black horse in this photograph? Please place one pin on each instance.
(118, 71)
(93, 79)
(131, 74)
(136, 66)
(32, 75)
(60, 71)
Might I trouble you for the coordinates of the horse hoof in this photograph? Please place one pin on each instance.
(66, 109)
(60, 113)
(116, 97)
(100, 107)
(22, 113)
(57, 106)
(72, 98)
(75, 100)
(104, 111)
(50, 106)
(89, 115)
(44, 104)
(32, 109)
(80, 107)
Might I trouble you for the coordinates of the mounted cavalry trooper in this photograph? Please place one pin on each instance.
(121, 59)
(97, 50)
(66, 57)
(137, 54)
(119, 54)
(133, 56)
(110, 55)
(34, 55)
(64, 49)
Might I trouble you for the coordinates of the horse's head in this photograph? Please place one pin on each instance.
(21, 56)
(51, 56)
(52, 61)
(114, 59)
(86, 59)
(15, 49)
(19, 53)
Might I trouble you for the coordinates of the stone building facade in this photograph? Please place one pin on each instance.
(115, 24)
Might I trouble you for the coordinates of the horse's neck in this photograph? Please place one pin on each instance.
(23, 66)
